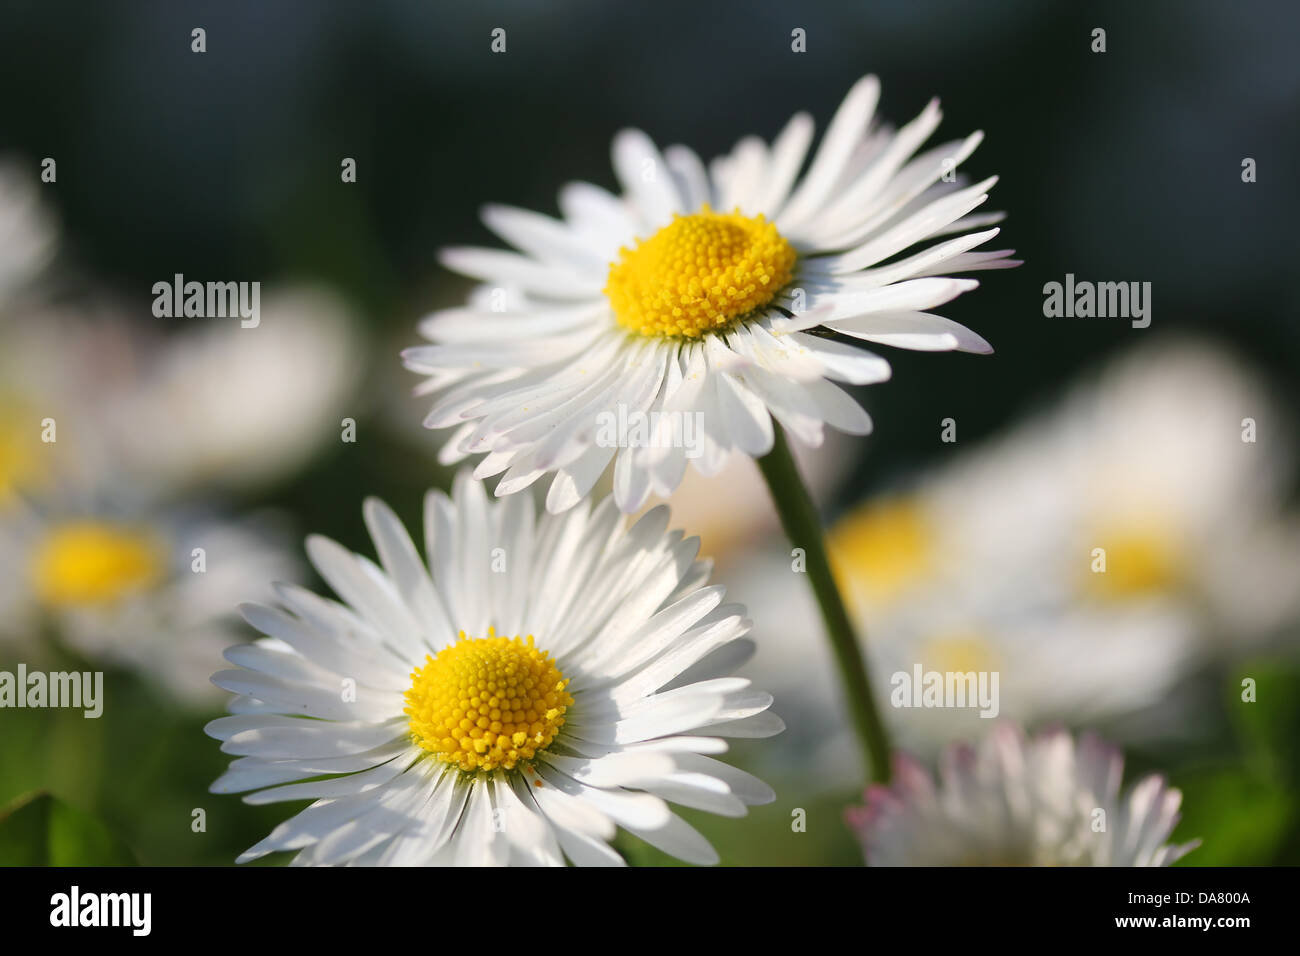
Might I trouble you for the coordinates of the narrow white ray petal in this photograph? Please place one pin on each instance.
(859, 194)
(497, 265)
(746, 177)
(912, 330)
(403, 563)
(843, 135)
(600, 216)
(844, 363)
(646, 178)
(543, 238)
(474, 325)
(679, 839)
(692, 180)
(788, 152)
(697, 791)
(361, 782)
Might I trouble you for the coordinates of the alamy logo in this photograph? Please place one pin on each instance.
(633, 428)
(75, 689)
(208, 300)
(946, 689)
(74, 908)
(1102, 300)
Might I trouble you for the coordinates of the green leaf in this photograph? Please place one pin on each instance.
(39, 829)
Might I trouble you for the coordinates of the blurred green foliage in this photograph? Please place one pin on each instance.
(41, 830)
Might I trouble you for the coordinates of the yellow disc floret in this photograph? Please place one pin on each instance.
(487, 703)
(1140, 560)
(699, 273)
(881, 550)
(94, 563)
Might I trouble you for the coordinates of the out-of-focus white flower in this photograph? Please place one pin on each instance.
(1159, 485)
(152, 590)
(220, 405)
(743, 517)
(28, 233)
(60, 374)
(1050, 665)
(1009, 801)
(214, 406)
(986, 565)
(106, 430)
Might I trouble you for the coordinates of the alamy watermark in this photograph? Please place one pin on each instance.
(75, 908)
(208, 300)
(1101, 300)
(946, 689)
(75, 689)
(633, 428)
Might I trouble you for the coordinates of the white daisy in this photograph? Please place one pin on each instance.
(150, 589)
(28, 233)
(1050, 664)
(538, 683)
(243, 407)
(1157, 487)
(986, 564)
(1009, 801)
(214, 405)
(100, 439)
(703, 298)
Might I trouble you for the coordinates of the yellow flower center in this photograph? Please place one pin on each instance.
(1142, 559)
(94, 563)
(879, 551)
(960, 652)
(487, 702)
(698, 274)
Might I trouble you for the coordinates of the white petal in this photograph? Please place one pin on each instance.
(646, 178)
(912, 330)
(842, 137)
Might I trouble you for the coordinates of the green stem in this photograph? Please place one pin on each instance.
(803, 527)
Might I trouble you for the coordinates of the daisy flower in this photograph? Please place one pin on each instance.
(540, 682)
(28, 231)
(674, 322)
(110, 442)
(211, 406)
(148, 589)
(243, 408)
(1085, 513)
(1009, 801)
(1050, 664)
(988, 564)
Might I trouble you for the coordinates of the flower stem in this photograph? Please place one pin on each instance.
(803, 527)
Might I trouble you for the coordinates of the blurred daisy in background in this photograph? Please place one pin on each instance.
(690, 299)
(99, 551)
(986, 564)
(148, 589)
(28, 230)
(1012, 801)
(223, 407)
(115, 446)
(728, 533)
(540, 681)
(1157, 486)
